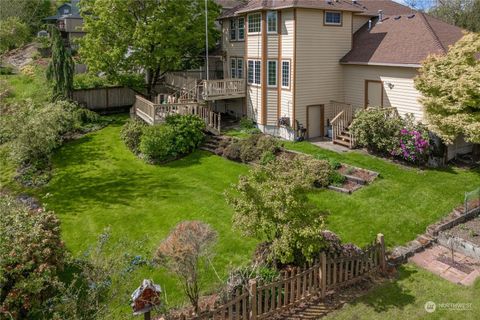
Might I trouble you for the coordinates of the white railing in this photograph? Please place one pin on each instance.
(223, 89)
(153, 113)
(341, 122)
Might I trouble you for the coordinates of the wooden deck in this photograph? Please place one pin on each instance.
(153, 113)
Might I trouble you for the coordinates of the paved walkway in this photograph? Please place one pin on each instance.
(329, 145)
(428, 260)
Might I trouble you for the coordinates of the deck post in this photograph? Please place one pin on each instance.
(323, 274)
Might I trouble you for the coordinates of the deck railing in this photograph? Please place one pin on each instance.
(260, 300)
(340, 123)
(153, 113)
(223, 89)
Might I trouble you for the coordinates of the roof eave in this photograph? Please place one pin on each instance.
(382, 64)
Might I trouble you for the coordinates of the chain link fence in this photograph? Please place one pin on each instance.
(472, 200)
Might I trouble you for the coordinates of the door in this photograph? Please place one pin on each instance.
(315, 119)
(374, 93)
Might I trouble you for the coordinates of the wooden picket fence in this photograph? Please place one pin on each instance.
(326, 274)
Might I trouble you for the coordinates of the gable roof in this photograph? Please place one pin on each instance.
(401, 40)
(256, 5)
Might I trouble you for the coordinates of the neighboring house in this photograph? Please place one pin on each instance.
(298, 56)
(69, 22)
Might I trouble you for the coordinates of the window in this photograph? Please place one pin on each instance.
(239, 68)
(272, 21)
(250, 71)
(241, 28)
(333, 18)
(254, 71)
(286, 74)
(236, 68)
(233, 30)
(254, 23)
(272, 73)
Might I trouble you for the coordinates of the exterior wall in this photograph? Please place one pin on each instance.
(358, 22)
(318, 51)
(73, 25)
(287, 52)
(402, 95)
(231, 48)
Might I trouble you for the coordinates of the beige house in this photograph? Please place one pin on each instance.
(296, 64)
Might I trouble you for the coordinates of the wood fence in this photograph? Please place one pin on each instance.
(153, 113)
(261, 300)
(105, 99)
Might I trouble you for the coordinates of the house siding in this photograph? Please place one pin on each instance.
(358, 22)
(318, 51)
(232, 48)
(403, 95)
(288, 27)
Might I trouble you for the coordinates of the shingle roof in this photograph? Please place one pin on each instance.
(389, 7)
(255, 5)
(402, 39)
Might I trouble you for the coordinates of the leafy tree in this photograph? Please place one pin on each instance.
(462, 13)
(30, 12)
(13, 34)
(31, 256)
(151, 36)
(450, 91)
(61, 68)
(189, 243)
(271, 203)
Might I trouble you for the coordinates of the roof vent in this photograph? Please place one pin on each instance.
(329, 1)
(354, 1)
(411, 16)
(380, 16)
(397, 17)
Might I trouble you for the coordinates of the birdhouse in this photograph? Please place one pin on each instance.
(146, 297)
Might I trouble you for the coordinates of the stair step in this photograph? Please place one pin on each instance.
(343, 137)
(341, 142)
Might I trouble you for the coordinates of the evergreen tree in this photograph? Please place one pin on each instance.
(61, 68)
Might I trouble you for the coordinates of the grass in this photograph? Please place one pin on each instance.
(22, 86)
(401, 203)
(98, 183)
(405, 298)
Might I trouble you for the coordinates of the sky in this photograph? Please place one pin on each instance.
(421, 4)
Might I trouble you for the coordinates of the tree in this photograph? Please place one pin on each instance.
(31, 257)
(450, 91)
(125, 38)
(189, 243)
(462, 13)
(29, 12)
(271, 203)
(13, 34)
(61, 68)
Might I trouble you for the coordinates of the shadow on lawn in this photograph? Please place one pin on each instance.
(391, 295)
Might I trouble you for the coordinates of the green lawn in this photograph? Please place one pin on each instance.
(401, 203)
(23, 87)
(405, 298)
(97, 183)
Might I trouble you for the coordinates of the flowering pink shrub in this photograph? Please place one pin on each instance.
(413, 145)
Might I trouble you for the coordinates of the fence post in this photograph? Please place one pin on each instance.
(323, 280)
(381, 242)
(253, 299)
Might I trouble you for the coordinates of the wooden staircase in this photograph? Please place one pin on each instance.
(341, 125)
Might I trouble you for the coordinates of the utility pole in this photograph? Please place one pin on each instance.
(206, 38)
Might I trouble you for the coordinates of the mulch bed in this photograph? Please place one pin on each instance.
(363, 174)
(469, 231)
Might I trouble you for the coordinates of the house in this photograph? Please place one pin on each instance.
(304, 62)
(69, 22)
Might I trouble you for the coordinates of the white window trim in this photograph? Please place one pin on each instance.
(276, 22)
(235, 24)
(233, 75)
(289, 74)
(268, 74)
(248, 27)
(254, 78)
(237, 69)
(332, 23)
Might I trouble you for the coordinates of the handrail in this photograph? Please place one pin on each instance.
(337, 117)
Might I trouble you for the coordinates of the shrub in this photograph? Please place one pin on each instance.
(252, 148)
(239, 278)
(188, 132)
(131, 134)
(413, 145)
(267, 157)
(247, 124)
(248, 148)
(336, 179)
(189, 244)
(271, 203)
(13, 34)
(376, 130)
(334, 245)
(90, 80)
(157, 144)
(32, 256)
(232, 151)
